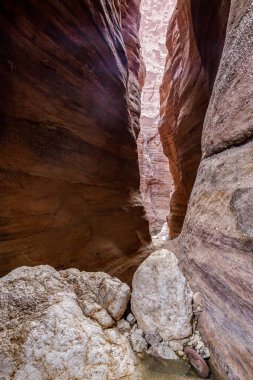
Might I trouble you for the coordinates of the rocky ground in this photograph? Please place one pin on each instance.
(77, 325)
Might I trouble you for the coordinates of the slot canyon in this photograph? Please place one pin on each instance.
(126, 189)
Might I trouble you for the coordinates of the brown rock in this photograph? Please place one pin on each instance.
(216, 243)
(156, 180)
(197, 362)
(195, 40)
(130, 14)
(69, 177)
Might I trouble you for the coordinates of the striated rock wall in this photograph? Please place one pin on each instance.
(195, 40)
(156, 180)
(216, 243)
(69, 177)
(130, 15)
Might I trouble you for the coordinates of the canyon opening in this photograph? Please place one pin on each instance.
(126, 212)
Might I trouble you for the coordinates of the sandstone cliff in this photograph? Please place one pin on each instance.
(216, 243)
(156, 180)
(68, 163)
(130, 15)
(195, 40)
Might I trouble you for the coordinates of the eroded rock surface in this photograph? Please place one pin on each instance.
(130, 16)
(195, 39)
(156, 180)
(161, 298)
(216, 244)
(69, 177)
(54, 325)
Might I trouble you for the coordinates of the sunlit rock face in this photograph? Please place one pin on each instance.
(216, 244)
(156, 180)
(195, 39)
(68, 162)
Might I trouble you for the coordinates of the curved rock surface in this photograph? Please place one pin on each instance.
(69, 177)
(156, 180)
(54, 325)
(161, 298)
(216, 244)
(195, 40)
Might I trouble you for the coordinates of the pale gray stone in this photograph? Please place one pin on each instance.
(162, 350)
(161, 298)
(153, 338)
(123, 325)
(131, 319)
(138, 343)
(176, 345)
(57, 326)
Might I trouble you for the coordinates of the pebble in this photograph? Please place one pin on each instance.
(138, 343)
(153, 338)
(123, 325)
(176, 346)
(204, 353)
(162, 350)
(131, 319)
(197, 362)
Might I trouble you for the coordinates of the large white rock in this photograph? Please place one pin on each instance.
(161, 298)
(53, 325)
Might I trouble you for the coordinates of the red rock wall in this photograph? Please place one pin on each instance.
(216, 243)
(68, 163)
(195, 40)
(130, 15)
(156, 179)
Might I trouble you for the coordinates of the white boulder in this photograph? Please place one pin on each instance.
(57, 325)
(161, 298)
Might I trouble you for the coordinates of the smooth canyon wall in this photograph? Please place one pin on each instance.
(195, 39)
(69, 177)
(216, 244)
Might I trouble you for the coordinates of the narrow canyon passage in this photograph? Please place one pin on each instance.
(121, 121)
(156, 181)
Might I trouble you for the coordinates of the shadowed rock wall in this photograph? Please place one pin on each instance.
(216, 244)
(69, 175)
(195, 40)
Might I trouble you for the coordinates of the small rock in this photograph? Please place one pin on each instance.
(184, 341)
(199, 345)
(153, 338)
(123, 325)
(194, 339)
(131, 319)
(204, 353)
(114, 296)
(197, 362)
(197, 299)
(180, 354)
(139, 344)
(176, 345)
(161, 350)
